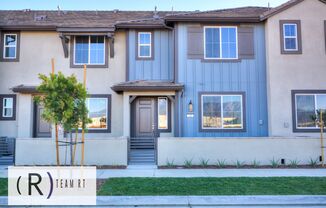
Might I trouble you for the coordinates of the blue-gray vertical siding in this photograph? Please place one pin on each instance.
(161, 67)
(248, 75)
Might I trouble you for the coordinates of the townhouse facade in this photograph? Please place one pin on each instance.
(234, 84)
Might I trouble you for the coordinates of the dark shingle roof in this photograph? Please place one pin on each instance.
(233, 13)
(72, 18)
(111, 19)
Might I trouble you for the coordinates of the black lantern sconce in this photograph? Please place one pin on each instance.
(190, 107)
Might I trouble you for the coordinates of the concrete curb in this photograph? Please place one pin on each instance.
(301, 200)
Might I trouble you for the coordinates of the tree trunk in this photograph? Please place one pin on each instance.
(71, 153)
(57, 144)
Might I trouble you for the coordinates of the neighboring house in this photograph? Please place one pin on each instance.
(296, 66)
(180, 77)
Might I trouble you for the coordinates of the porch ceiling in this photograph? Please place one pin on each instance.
(142, 85)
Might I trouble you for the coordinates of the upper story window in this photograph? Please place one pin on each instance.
(144, 45)
(290, 34)
(220, 42)
(290, 37)
(90, 50)
(9, 47)
(7, 107)
(99, 112)
(221, 111)
(306, 104)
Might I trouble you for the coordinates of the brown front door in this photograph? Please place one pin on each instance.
(144, 118)
(42, 128)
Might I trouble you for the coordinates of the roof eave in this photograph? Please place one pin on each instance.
(120, 89)
(139, 26)
(214, 19)
(29, 27)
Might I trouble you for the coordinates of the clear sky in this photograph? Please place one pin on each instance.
(133, 4)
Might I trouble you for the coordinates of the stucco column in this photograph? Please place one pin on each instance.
(25, 115)
(126, 115)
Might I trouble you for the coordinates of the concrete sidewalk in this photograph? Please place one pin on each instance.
(198, 201)
(152, 171)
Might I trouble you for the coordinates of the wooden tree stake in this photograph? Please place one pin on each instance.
(56, 125)
(83, 131)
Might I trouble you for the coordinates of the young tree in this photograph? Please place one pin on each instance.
(64, 101)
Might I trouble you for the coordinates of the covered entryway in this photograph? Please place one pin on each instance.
(143, 131)
(150, 110)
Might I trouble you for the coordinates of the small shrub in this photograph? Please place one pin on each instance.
(188, 163)
(275, 163)
(239, 164)
(294, 163)
(221, 163)
(169, 163)
(255, 163)
(313, 163)
(204, 163)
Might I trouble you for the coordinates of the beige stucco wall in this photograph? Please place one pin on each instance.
(245, 150)
(294, 72)
(36, 51)
(99, 151)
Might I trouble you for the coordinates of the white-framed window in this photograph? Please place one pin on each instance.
(221, 111)
(7, 107)
(220, 42)
(306, 106)
(98, 112)
(89, 50)
(163, 113)
(144, 44)
(10, 46)
(290, 36)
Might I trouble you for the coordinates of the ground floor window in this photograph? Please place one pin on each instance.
(306, 104)
(7, 107)
(162, 113)
(99, 112)
(221, 111)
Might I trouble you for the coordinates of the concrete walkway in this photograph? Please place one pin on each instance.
(206, 201)
(152, 171)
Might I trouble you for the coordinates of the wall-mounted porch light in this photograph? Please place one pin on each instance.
(190, 107)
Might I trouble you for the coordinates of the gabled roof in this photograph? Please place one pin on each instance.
(282, 7)
(241, 14)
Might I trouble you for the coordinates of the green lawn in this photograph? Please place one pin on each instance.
(214, 186)
(3, 186)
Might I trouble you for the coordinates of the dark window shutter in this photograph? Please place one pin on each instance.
(195, 42)
(111, 45)
(246, 45)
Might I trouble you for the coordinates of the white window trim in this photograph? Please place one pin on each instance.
(221, 95)
(145, 44)
(107, 110)
(89, 52)
(9, 46)
(167, 112)
(296, 112)
(221, 52)
(295, 36)
(10, 107)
